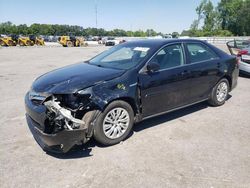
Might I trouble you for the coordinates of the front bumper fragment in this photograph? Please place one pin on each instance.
(60, 142)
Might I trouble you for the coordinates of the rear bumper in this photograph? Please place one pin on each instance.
(244, 67)
(60, 142)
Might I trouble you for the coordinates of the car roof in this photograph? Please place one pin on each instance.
(160, 42)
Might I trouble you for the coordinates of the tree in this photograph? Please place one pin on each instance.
(229, 14)
(235, 16)
(209, 15)
(230, 17)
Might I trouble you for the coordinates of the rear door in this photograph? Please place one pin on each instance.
(204, 67)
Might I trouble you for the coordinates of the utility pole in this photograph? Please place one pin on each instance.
(96, 14)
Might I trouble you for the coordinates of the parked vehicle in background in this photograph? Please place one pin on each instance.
(25, 41)
(244, 55)
(111, 41)
(11, 40)
(235, 46)
(122, 41)
(54, 38)
(167, 36)
(39, 41)
(241, 48)
(71, 41)
(128, 83)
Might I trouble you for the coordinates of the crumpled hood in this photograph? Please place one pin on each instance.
(71, 78)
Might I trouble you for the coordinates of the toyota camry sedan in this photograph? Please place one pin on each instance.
(105, 96)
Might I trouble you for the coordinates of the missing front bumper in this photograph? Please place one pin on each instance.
(60, 142)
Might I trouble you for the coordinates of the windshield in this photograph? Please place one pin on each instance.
(121, 57)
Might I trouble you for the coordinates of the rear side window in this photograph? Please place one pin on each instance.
(198, 52)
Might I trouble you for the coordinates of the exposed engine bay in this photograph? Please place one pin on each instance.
(60, 114)
(66, 112)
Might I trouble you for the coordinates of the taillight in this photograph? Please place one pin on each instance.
(242, 52)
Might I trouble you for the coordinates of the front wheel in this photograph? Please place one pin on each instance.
(2, 43)
(114, 124)
(219, 93)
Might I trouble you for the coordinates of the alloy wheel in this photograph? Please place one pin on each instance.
(115, 123)
(222, 91)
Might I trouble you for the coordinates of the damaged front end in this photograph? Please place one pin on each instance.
(58, 122)
(61, 117)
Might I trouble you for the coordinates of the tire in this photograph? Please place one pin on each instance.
(11, 43)
(219, 93)
(30, 43)
(70, 44)
(21, 43)
(38, 43)
(2, 43)
(118, 130)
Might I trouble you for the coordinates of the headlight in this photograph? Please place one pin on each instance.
(86, 92)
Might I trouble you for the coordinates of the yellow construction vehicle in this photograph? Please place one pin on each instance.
(25, 41)
(11, 40)
(39, 41)
(71, 41)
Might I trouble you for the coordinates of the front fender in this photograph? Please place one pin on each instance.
(102, 96)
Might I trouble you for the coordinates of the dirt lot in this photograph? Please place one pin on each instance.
(199, 146)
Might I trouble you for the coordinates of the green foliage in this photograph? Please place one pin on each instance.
(58, 30)
(230, 17)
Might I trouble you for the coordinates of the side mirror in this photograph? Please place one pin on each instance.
(153, 66)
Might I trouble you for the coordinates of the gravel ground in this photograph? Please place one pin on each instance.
(199, 146)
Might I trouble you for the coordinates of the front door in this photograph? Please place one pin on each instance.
(167, 88)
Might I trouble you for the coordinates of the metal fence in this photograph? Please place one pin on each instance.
(221, 40)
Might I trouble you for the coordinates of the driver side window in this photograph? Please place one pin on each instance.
(170, 56)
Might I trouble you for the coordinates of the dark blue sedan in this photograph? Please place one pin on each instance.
(130, 82)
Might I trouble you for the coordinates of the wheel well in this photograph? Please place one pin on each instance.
(128, 100)
(229, 79)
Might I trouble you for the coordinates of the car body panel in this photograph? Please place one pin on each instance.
(72, 78)
(164, 90)
(148, 93)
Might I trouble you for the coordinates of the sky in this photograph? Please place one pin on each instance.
(164, 16)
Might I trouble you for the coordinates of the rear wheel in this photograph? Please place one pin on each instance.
(114, 124)
(219, 93)
(11, 43)
(70, 44)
